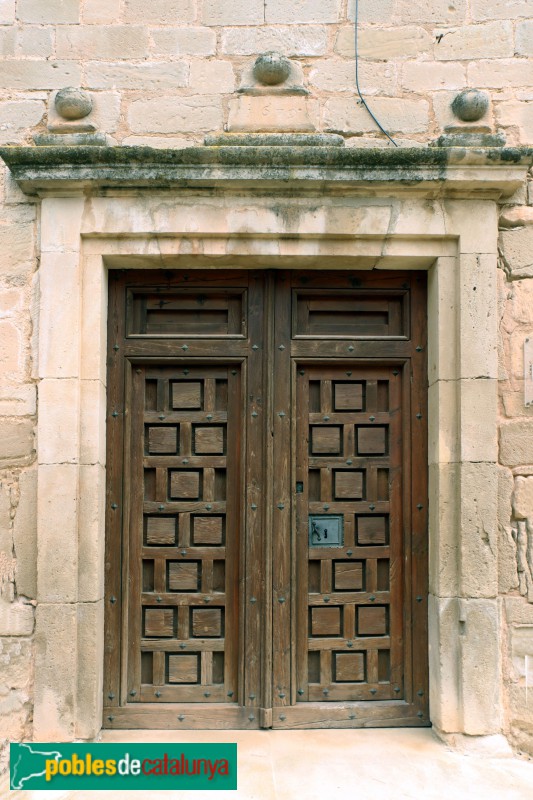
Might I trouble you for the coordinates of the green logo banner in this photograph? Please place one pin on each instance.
(123, 766)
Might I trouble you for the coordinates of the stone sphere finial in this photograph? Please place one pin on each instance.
(470, 105)
(73, 103)
(272, 68)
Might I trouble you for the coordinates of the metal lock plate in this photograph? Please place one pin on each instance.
(326, 530)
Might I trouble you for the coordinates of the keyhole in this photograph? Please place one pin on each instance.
(325, 533)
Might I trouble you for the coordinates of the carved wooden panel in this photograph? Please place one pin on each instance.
(349, 430)
(185, 533)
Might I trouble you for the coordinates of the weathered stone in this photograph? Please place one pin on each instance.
(517, 247)
(500, 74)
(101, 11)
(90, 653)
(16, 700)
(17, 442)
(382, 44)
(61, 220)
(524, 36)
(444, 664)
(102, 42)
(433, 11)
(58, 421)
(507, 564)
(480, 667)
(17, 618)
(271, 113)
(105, 115)
(176, 114)
(470, 105)
(293, 40)
(91, 532)
(372, 11)
(302, 11)
(7, 12)
(338, 75)
(28, 75)
(6, 534)
(489, 40)
(16, 116)
(35, 41)
(210, 77)
(518, 115)
(72, 140)
(516, 443)
(50, 13)
(72, 103)
(144, 76)
(407, 116)
(516, 216)
(479, 535)
(18, 400)
(184, 41)
(234, 12)
(424, 76)
(56, 669)
(447, 121)
(523, 499)
(445, 525)
(10, 348)
(274, 140)
(271, 68)
(465, 139)
(57, 575)
(170, 12)
(499, 9)
(7, 42)
(25, 535)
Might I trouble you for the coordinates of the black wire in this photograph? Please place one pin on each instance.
(382, 129)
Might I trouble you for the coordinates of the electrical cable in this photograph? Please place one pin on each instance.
(382, 129)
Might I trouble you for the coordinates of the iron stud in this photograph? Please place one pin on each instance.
(159, 599)
(302, 372)
(230, 694)
(111, 718)
(251, 717)
(420, 714)
(208, 507)
(351, 348)
(253, 600)
(185, 371)
(111, 695)
(419, 415)
(114, 506)
(183, 552)
(282, 717)
(281, 347)
(372, 419)
(207, 599)
(326, 418)
(420, 506)
(281, 414)
(255, 414)
(161, 508)
(157, 694)
(255, 347)
(395, 372)
(253, 507)
(349, 374)
(349, 644)
(397, 689)
(326, 506)
(420, 693)
(372, 598)
(300, 692)
(207, 694)
(209, 416)
(185, 347)
(112, 600)
(419, 599)
(349, 552)
(138, 371)
(373, 691)
(371, 506)
(181, 717)
(133, 693)
(325, 691)
(116, 347)
(251, 696)
(352, 716)
(281, 506)
(327, 599)
(233, 371)
(114, 414)
(281, 600)
(349, 462)
(182, 645)
(185, 461)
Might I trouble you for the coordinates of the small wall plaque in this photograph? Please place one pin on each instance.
(326, 530)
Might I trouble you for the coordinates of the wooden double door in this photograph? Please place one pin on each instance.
(266, 557)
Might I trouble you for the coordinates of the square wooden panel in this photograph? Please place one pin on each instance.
(326, 621)
(159, 622)
(209, 441)
(348, 485)
(161, 531)
(325, 439)
(372, 441)
(348, 397)
(207, 530)
(348, 575)
(371, 530)
(185, 485)
(206, 622)
(182, 668)
(349, 667)
(163, 440)
(371, 620)
(187, 394)
(183, 576)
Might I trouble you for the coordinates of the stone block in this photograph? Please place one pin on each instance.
(59, 427)
(57, 509)
(35, 42)
(146, 76)
(176, 114)
(93, 416)
(443, 401)
(210, 77)
(479, 538)
(446, 119)
(60, 224)
(524, 35)
(433, 12)
(424, 76)
(293, 40)
(6, 536)
(470, 42)
(442, 321)
(445, 527)
(101, 12)
(273, 114)
(482, 10)
(444, 649)
(17, 618)
(184, 41)
(480, 667)
(523, 498)
(500, 74)
(16, 116)
(162, 142)
(372, 11)
(17, 437)
(507, 563)
(302, 11)
(382, 44)
(233, 12)
(516, 443)
(53, 12)
(11, 349)
(59, 312)
(517, 247)
(516, 216)
(90, 652)
(17, 243)
(338, 75)
(18, 400)
(91, 533)
(28, 75)
(16, 700)
(7, 42)
(101, 42)
(475, 222)
(160, 12)
(105, 114)
(56, 672)
(25, 535)
(7, 12)
(94, 320)
(518, 115)
(405, 116)
(478, 409)
(478, 317)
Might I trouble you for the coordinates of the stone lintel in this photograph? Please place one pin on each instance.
(490, 173)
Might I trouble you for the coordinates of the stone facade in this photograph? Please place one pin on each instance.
(165, 74)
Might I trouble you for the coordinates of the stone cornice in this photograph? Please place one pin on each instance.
(433, 171)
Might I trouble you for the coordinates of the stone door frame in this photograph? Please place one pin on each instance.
(83, 236)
